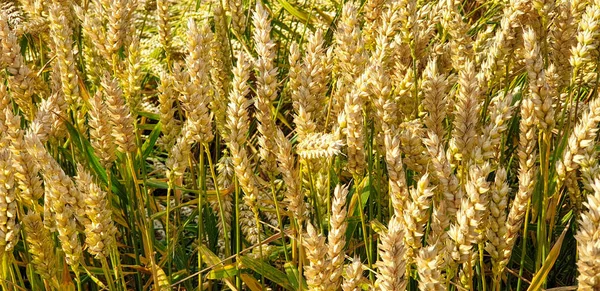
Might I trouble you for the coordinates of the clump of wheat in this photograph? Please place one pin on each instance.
(440, 145)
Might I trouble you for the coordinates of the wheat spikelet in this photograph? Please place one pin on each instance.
(225, 174)
(415, 217)
(164, 28)
(434, 87)
(588, 245)
(238, 18)
(336, 239)
(349, 54)
(429, 266)
(501, 112)
(22, 81)
(538, 86)
(287, 167)
(166, 97)
(9, 229)
(63, 198)
(561, 39)
(237, 123)
(100, 230)
(466, 114)
(120, 116)
(41, 246)
(587, 40)
(220, 61)
(583, 135)
(470, 222)
(355, 133)
(391, 267)
(497, 229)
(316, 252)
(132, 82)
(527, 155)
(589, 168)
(353, 276)
(100, 131)
(318, 146)
(61, 33)
(25, 168)
(266, 87)
(397, 178)
(316, 67)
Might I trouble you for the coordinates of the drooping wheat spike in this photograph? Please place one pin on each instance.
(466, 114)
(266, 87)
(353, 276)
(290, 175)
(100, 231)
(415, 217)
(238, 123)
(119, 116)
(9, 229)
(527, 155)
(434, 87)
(336, 239)
(63, 198)
(166, 97)
(397, 178)
(318, 146)
(355, 133)
(588, 242)
(164, 27)
(587, 40)
(497, 229)
(316, 271)
(538, 86)
(61, 33)
(41, 246)
(220, 60)
(391, 266)
(101, 131)
(349, 55)
(583, 135)
(25, 168)
(429, 267)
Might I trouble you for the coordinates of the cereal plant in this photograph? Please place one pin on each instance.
(299, 145)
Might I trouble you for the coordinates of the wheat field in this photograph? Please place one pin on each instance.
(299, 145)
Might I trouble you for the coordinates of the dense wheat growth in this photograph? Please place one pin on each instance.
(299, 145)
